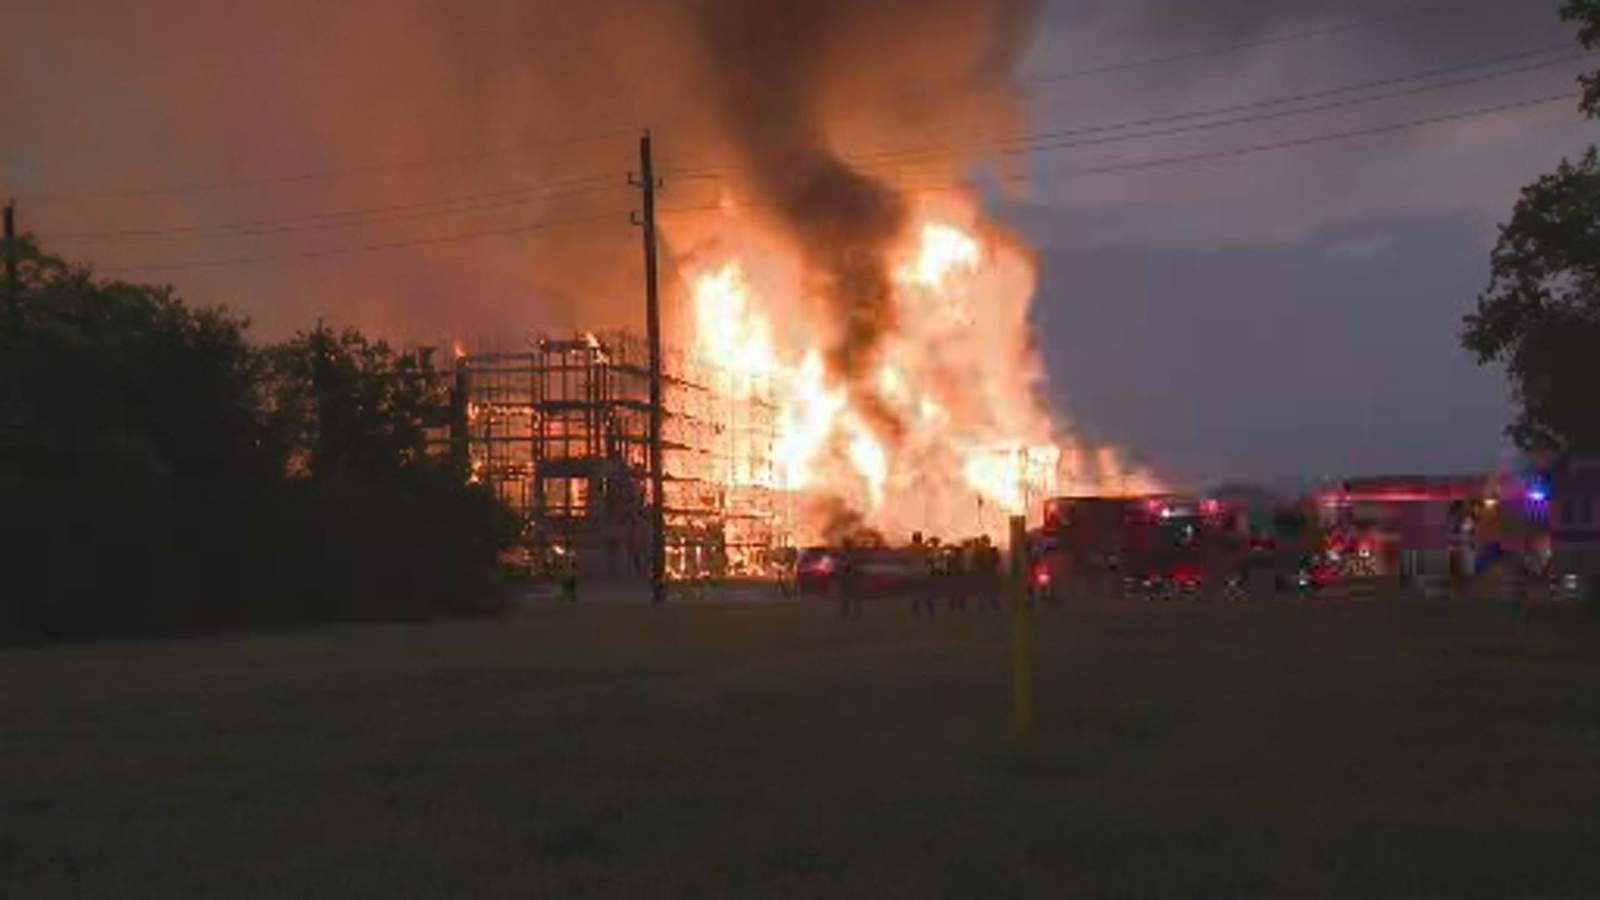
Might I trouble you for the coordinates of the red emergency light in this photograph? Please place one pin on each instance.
(1187, 577)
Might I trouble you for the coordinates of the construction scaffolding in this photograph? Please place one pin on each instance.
(560, 432)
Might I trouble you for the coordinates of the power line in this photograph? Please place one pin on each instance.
(1041, 140)
(338, 219)
(1310, 34)
(316, 175)
(480, 155)
(1046, 140)
(1264, 117)
(1050, 80)
(1028, 143)
(345, 218)
(1179, 161)
(1323, 138)
(617, 216)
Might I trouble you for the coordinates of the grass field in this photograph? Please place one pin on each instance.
(775, 751)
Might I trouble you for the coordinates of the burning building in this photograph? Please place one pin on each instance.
(780, 432)
(887, 311)
(560, 432)
(937, 425)
(856, 323)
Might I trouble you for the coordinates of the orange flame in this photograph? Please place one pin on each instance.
(958, 373)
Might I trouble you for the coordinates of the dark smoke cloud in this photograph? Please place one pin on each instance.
(771, 66)
(839, 524)
(782, 70)
(108, 95)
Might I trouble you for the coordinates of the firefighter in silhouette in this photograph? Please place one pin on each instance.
(953, 577)
(847, 582)
(565, 570)
(986, 565)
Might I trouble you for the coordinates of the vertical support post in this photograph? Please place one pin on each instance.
(460, 417)
(11, 248)
(1021, 630)
(652, 308)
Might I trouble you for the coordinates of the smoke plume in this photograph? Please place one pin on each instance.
(416, 104)
(782, 71)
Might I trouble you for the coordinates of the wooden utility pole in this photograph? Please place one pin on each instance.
(1021, 630)
(652, 312)
(11, 247)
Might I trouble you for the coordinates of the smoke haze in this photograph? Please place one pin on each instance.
(449, 120)
(418, 103)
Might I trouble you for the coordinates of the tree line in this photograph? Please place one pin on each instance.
(1540, 317)
(161, 472)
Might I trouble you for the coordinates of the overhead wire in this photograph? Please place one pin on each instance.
(1034, 142)
(314, 175)
(348, 218)
(610, 132)
(1251, 44)
(1041, 141)
(617, 216)
(1388, 128)
(366, 248)
(1047, 140)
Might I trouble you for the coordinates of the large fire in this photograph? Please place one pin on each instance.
(950, 437)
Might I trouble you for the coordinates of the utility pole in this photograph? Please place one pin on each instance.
(1021, 630)
(652, 312)
(11, 248)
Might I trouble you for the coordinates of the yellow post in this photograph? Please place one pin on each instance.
(1021, 629)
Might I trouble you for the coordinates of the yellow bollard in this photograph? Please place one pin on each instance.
(1021, 630)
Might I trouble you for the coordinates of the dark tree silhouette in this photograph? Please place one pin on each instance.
(350, 405)
(159, 472)
(1540, 317)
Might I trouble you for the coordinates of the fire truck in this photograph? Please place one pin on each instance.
(1152, 546)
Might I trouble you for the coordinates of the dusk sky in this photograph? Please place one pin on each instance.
(1288, 311)
(1296, 311)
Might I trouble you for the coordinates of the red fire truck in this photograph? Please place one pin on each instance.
(1149, 546)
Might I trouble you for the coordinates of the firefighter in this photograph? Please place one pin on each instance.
(567, 576)
(847, 583)
(986, 565)
(954, 581)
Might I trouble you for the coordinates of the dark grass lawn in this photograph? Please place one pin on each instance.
(775, 751)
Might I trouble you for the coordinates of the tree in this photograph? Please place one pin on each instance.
(349, 405)
(133, 450)
(97, 373)
(160, 472)
(1540, 316)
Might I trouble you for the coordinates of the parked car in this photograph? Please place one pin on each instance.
(876, 570)
(815, 571)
